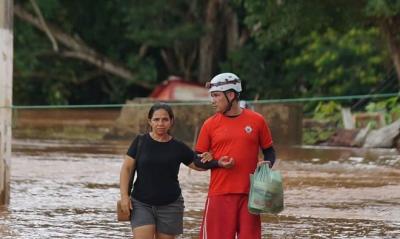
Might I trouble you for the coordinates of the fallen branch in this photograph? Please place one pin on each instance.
(78, 49)
(43, 22)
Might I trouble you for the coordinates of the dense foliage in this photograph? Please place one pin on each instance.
(281, 49)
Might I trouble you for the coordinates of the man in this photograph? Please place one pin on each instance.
(235, 135)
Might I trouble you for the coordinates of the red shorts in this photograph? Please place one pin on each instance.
(226, 216)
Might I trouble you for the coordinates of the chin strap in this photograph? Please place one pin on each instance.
(230, 102)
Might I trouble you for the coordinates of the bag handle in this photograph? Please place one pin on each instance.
(262, 171)
(138, 151)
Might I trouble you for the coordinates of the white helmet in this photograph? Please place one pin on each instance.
(224, 82)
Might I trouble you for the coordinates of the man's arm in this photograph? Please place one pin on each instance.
(269, 155)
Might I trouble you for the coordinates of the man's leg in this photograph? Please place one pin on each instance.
(220, 217)
(249, 224)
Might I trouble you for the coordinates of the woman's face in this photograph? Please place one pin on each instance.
(160, 122)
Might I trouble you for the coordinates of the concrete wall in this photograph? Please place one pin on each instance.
(285, 121)
(6, 59)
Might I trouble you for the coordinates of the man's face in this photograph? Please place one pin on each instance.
(218, 101)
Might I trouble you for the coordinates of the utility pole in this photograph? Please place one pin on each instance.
(6, 70)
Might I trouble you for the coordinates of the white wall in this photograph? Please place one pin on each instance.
(6, 63)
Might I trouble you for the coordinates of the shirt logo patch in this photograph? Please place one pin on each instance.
(248, 129)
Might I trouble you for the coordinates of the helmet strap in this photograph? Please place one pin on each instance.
(230, 102)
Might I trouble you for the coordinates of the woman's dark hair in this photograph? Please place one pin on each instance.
(158, 106)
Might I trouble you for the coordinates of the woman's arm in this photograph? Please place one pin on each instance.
(206, 161)
(203, 157)
(193, 166)
(127, 166)
(203, 161)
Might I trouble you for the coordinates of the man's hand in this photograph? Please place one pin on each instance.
(226, 162)
(261, 162)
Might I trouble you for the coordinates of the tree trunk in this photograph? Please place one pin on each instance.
(6, 69)
(390, 28)
(208, 41)
(232, 30)
(221, 37)
(79, 50)
(168, 59)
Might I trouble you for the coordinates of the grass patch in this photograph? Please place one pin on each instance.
(316, 135)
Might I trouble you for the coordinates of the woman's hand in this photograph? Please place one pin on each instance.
(127, 166)
(205, 157)
(126, 204)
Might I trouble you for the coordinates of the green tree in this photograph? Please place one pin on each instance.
(122, 47)
(337, 64)
(81, 51)
(279, 20)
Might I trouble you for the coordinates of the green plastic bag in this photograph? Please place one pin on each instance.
(266, 191)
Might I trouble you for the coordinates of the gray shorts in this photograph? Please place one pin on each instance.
(168, 219)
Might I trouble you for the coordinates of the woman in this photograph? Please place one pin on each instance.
(156, 201)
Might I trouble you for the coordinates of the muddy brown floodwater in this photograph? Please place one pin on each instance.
(68, 189)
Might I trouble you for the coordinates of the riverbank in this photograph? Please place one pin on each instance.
(124, 124)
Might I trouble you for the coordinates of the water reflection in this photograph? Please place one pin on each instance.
(63, 189)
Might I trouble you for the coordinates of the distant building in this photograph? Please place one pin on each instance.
(177, 89)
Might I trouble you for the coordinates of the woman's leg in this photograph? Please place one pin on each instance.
(143, 221)
(169, 221)
(144, 232)
(164, 236)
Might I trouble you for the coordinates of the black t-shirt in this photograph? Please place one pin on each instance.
(157, 169)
